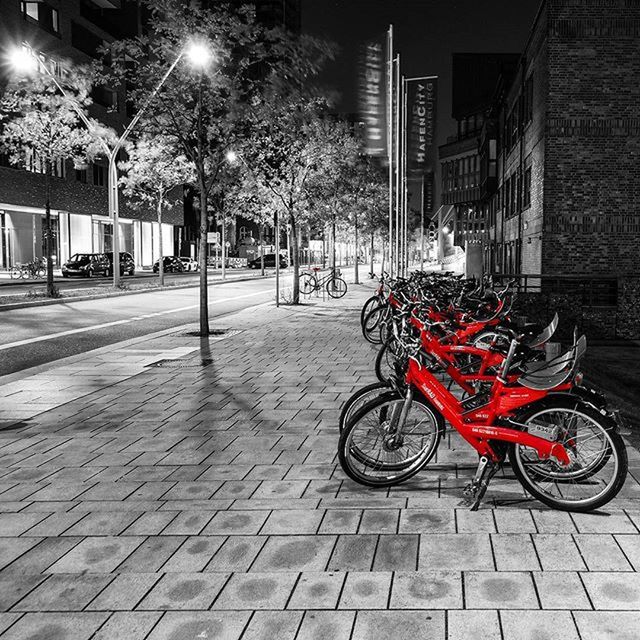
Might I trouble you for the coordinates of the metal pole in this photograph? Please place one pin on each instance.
(422, 225)
(277, 232)
(390, 140)
(224, 249)
(405, 257)
(397, 161)
(114, 208)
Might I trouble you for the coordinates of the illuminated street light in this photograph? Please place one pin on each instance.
(199, 54)
(23, 60)
(232, 157)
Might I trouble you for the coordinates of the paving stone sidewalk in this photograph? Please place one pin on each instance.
(178, 488)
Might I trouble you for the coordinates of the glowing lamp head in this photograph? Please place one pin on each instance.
(232, 157)
(198, 54)
(23, 61)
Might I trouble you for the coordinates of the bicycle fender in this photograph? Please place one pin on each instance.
(552, 399)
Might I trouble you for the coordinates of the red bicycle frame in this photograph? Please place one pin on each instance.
(476, 426)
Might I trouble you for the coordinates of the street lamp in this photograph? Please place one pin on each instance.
(24, 60)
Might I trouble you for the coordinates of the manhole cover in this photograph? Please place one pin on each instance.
(181, 364)
(215, 334)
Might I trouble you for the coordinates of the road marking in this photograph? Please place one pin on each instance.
(115, 323)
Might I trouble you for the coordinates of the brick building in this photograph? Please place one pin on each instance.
(67, 32)
(568, 190)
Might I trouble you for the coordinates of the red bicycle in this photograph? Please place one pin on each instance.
(564, 450)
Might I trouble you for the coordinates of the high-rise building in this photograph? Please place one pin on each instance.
(64, 33)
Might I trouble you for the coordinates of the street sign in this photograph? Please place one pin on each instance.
(213, 237)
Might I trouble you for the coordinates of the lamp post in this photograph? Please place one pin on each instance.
(26, 60)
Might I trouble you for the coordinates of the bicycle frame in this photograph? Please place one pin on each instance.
(477, 426)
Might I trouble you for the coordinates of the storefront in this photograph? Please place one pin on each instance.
(22, 236)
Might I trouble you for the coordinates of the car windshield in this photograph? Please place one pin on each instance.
(79, 257)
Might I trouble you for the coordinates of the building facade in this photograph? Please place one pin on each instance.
(568, 199)
(469, 176)
(63, 33)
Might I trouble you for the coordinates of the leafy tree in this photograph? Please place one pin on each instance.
(152, 172)
(203, 110)
(40, 128)
(296, 154)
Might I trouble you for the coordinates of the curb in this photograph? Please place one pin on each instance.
(116, 294)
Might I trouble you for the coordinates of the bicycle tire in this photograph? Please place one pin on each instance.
(308, 283)
(358, 399)
(370, 303)
(336, 291)
(371, 323)
(16, 273)
(614, 451)
(41, 272)
(386, 356)
(397, 471)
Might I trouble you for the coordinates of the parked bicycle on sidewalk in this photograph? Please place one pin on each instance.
(35, 269)
(311, 281)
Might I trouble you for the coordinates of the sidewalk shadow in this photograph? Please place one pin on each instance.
(207, 357)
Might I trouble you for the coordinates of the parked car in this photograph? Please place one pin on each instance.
(170, 264)
(269, 261)
(127, 263)
(189, 264)
(87, 265)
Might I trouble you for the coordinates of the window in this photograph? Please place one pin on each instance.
(99, 175)
(526, 195)
(40, 12)
(81, 176)
(528, 100)
(105, 97)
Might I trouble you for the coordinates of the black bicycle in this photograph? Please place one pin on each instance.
(311, 281)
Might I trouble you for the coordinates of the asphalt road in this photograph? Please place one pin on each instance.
(10, 287)
(36, 335)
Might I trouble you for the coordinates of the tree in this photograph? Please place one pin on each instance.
(153, 170)
(203, 110)
(41, 129)
(290, 151)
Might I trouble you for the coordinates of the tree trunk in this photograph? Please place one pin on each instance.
(333, 241)
(51, 290)
(261, 237)
(161, 263)
(294, 254)
(202, 258)
(372, 255)
(357, 274)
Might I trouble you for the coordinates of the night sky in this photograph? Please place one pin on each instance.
(426, 33)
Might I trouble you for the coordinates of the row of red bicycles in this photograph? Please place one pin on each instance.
(449, 353)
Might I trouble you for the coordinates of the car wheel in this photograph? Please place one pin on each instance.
(89, 273)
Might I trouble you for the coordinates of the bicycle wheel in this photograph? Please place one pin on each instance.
(597, 452)
(373, 456)
(371, 324)
(336, 287)
(368, 306)
(308, 283)
(359, 399)
(16, 273)
(41, 272)
(385, 361)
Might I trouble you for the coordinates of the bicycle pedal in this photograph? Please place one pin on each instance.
(470, 490)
